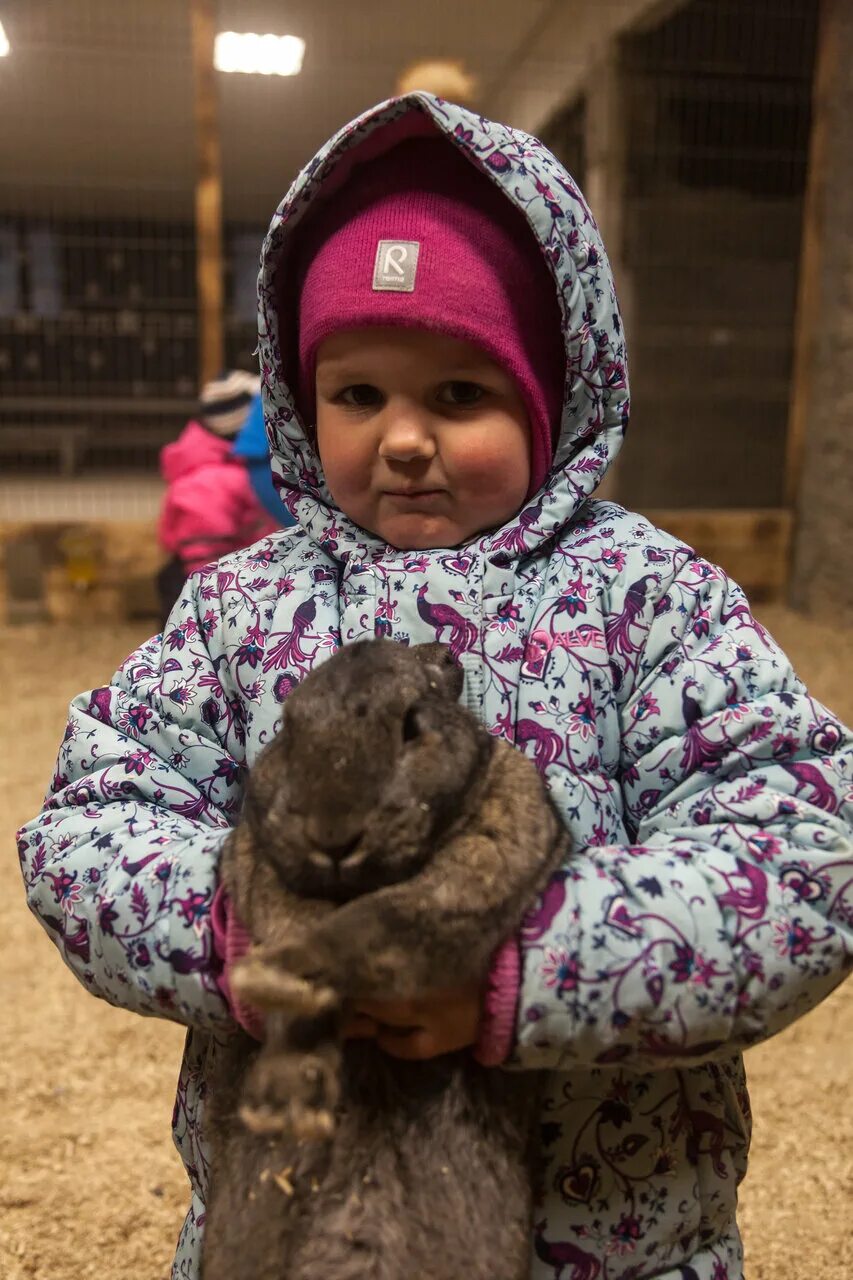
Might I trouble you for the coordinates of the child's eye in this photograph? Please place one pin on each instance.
(462, 395)
(361, 395)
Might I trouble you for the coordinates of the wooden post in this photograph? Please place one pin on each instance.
(208, 194)
(807, 320)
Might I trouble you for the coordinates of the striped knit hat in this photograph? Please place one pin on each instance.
(224, 402)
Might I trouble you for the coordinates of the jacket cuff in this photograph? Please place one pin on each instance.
(231, 941)
(497, 1028)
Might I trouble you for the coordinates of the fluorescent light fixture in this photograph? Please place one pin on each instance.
(5, 47)
(259, 55)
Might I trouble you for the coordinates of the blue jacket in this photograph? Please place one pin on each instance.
(253, 449)
(706, 903)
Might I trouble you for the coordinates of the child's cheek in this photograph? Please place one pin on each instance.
(495, 454)
(490, 471)
(342, 458)
(476, 458)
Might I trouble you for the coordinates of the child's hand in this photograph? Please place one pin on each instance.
(439, 1022)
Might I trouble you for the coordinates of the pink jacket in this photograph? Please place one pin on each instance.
(210, 508)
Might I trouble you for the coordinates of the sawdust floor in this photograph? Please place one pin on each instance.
(89, 1182)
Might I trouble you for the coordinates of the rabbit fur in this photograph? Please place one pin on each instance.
(388, 845)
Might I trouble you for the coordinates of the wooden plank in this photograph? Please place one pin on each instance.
(136, 405)
(752, 546)
(208, 194)
(808, 315)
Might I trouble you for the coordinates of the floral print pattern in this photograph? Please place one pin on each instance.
(707, 901)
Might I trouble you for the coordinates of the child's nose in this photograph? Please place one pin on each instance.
(407, 435)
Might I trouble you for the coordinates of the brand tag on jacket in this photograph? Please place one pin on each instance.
(396, 265)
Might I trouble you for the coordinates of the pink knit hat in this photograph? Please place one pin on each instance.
(420, 238)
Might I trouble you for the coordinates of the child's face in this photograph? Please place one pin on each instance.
(424, 439)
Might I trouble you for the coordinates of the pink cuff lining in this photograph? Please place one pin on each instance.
(231, 941)
(497, 1028)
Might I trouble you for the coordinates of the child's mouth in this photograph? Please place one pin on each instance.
(414, 496)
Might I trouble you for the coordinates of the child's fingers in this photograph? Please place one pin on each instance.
(360, 1027)
(411, 1044)
(393, 1013)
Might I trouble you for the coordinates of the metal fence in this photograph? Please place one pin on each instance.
(98, 345)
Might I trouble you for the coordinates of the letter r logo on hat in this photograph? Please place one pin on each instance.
(395, 266)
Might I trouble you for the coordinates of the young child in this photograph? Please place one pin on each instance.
(210, 507)
(445, 385)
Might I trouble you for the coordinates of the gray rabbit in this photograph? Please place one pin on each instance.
(387, 846)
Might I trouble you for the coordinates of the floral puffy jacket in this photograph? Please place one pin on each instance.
(707, 900)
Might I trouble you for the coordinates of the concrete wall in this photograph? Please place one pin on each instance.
(554, 64)
(822, 581)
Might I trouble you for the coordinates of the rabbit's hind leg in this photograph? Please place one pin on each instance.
(294, 1084)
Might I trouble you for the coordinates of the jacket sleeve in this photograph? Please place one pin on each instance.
(121, 864)
(730, 912)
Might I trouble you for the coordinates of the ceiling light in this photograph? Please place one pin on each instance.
(5, 47)
(259, 55)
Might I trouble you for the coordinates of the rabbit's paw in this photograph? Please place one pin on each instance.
(293, 1093)
(263, 981)
(316, 958)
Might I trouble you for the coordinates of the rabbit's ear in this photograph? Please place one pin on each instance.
(442, 667)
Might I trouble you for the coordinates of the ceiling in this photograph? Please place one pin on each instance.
(98, 93)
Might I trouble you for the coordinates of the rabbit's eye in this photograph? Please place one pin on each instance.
(411, 725)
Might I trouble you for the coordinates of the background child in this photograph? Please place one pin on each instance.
(211, 506)
(445, 384)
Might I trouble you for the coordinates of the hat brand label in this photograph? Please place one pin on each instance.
(396, 265)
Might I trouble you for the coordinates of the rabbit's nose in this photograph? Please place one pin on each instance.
(331, 844)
